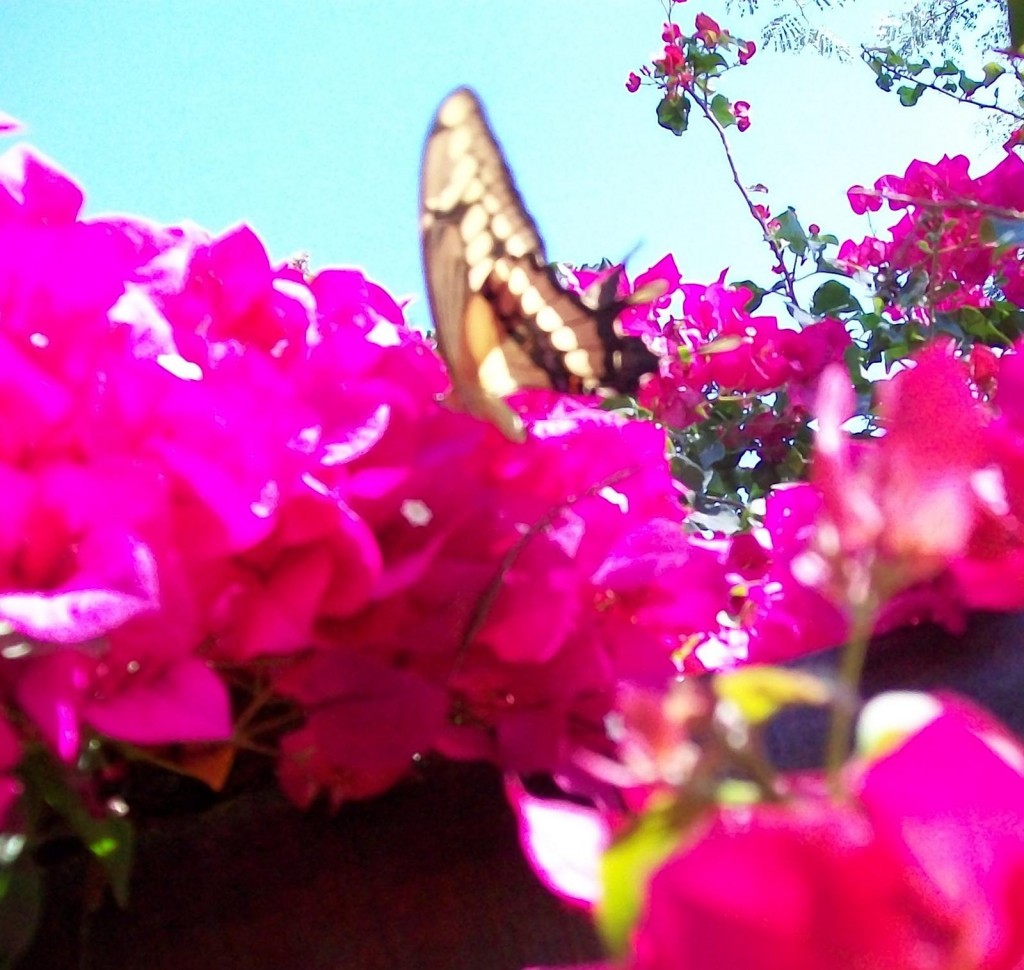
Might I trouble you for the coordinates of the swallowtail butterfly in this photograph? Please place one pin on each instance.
(503, 318)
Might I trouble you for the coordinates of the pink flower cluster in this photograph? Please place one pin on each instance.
(717, 346)
(942, 234)
(919, 864)
(922, 869)
(212, 465)
(684, 57)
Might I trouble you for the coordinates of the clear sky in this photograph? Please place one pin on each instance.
(306, 120)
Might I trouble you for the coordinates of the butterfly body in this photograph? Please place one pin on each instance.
(503, 318)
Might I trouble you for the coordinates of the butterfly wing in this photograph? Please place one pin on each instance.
(502, 317)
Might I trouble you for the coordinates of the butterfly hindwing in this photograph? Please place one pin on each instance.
(503, 318)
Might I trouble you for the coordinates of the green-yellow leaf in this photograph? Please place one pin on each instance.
(761, 692)
(626, 869)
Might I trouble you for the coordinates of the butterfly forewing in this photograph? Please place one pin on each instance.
(502, 317)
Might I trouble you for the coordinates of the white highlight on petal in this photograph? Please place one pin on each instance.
(416, 512)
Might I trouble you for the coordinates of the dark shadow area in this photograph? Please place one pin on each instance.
(428, 876)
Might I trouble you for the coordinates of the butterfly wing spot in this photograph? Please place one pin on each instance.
(459, 177)
(518, 245)
(564, 340)
(501, 225)
(479, 273)
(578, 362)
(479, 248)
(531, 301)
(548, 319)
(456, 109)
(473, 223)
(518, 281)
(495, 375)
(474, 191)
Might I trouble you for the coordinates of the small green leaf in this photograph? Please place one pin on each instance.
(791, 232)
(625, 871)
(674, 113)
(688, 472)
(833, 297)
(909, 96)
(761, 692)
(884, 81)
(1002, 231)
(712, 454)
(968, 85)
(947, 70)
(721, 108)
(993, 72)
(109, 839)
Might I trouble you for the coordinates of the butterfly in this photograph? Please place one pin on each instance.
(503, 318)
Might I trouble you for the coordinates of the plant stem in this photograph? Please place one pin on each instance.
(844, 709)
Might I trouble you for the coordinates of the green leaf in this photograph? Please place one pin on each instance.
(625, 870)
(791, 232)
(968, 85)
(712, 454)
(760, 692)
(909, 96)
(1002, 231)
(1015, 10)
(884, 81)
(674, 113)
(833, 297)
(993, 72)
(21, 897)
(706, 62)
(757, 293)
(981, 327)
(687, 471)
(110, 840)
(947, 70)
(721, 108)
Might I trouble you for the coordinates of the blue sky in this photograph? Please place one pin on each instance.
(306, 121)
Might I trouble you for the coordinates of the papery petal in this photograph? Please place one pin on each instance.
(563, 842)
(185, 701)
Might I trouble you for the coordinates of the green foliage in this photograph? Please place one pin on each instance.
(109, 838)
(625, 870)
(948, 78)
(674, 113)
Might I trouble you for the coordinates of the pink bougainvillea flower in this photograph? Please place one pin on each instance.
(805, 885)
(633, 82)
(563, 842)
(922, 867)
(708, 31)
(952, 793)
(943, 236)
(898, 509)
(741, 112)
(365, 723)
(747, 49)
(989, 569)
(780, 617)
